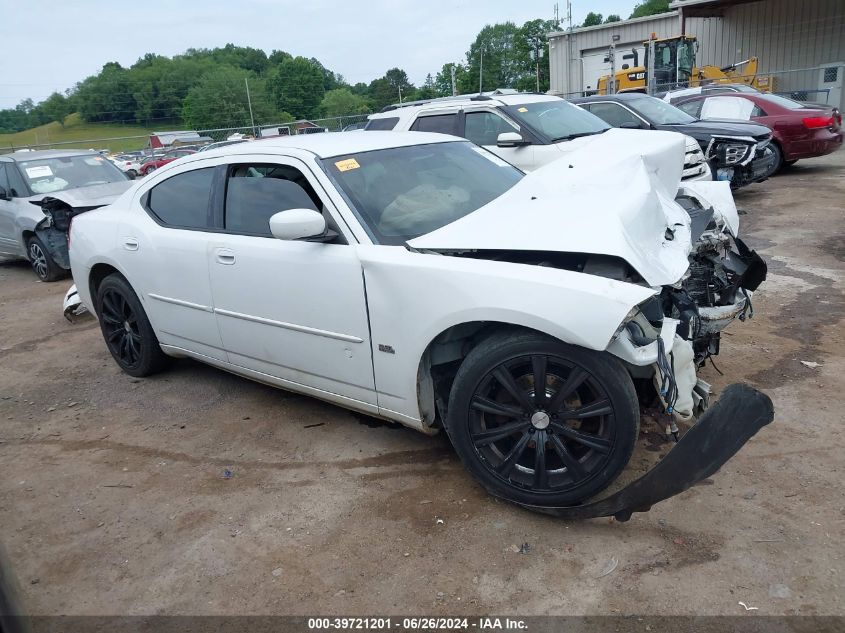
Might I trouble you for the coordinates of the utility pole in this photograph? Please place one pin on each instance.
(400, 93)
(480, 71)
(454, 85)
(650, 77)
(249, 101)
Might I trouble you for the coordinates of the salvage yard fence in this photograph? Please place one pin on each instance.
(287, 128)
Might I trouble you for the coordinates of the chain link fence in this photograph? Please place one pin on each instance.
(197, 138)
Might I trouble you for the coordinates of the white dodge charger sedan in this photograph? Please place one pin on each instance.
(420, 278)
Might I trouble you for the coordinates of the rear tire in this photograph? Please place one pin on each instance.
(557, 446)
(41, 262)
(127, 330)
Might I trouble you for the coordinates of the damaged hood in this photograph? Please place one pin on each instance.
(93, 196)
(598, 200)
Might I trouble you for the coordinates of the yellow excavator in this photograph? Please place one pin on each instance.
(675, 67)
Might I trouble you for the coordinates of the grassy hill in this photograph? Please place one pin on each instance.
(83, 135)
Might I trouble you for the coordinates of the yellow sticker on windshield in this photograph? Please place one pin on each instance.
(346, 165)
(522, 109)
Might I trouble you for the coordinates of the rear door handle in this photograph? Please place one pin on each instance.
(130, 244)
(225, 256)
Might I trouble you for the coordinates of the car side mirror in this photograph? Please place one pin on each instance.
(131, 175)
(4, 195)
(297, 224)
(511, 139)
(631, 125)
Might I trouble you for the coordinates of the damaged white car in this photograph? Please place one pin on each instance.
(41, 192)
(419, 278)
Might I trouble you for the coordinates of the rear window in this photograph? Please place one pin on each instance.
(382, 124)
(440, 123)
(783, 102)
(182, 201)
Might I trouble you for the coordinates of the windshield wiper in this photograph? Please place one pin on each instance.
(569, 137)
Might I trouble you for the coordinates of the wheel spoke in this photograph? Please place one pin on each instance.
(113, 335)
(489, 436)
(592, 410)
(507, 381)
(538, 364)
(108, 317)
(595, 442)
(110, 306)
(486, 405)
(541, 475)
(515, 453)
(575, 379)
(573, 466)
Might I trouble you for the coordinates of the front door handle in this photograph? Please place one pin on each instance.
(130, 244)
(225, 256)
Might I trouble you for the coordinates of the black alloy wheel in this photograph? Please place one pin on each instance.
(540, 422)
(127, 330)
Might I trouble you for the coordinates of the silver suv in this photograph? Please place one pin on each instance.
(526, 129)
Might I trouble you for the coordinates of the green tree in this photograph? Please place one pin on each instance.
(532, 48)
(107, 96)
(612, 18)
(219, 100)
(297, 87)
(427, 91)
(388, 89)
(443, 80)
(592, 19)
(650, 7)
(494, 53)
(342, 102)
(56, 107)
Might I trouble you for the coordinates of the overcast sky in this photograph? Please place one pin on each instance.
(50, 45)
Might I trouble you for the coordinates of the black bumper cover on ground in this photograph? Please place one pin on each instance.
(724, 428)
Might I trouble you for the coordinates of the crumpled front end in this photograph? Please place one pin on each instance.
(673, 333)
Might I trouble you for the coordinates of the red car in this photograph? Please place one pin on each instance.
(151, 165)
(800, 130)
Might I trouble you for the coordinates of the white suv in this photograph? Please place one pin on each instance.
(527, 130)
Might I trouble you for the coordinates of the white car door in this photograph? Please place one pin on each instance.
(294, 310)
(164, 246)
(483, 127)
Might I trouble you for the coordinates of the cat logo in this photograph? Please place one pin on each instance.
(636, 76)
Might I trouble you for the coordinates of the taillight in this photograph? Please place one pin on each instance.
(815, 122)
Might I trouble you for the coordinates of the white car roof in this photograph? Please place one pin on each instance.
(467, 100)
(329, 144)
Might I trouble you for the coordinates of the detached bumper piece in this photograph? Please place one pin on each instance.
(717, 436)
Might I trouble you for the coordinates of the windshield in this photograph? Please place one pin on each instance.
(48, 175)
(557, 120)
(404, 192)
(686, 59)
(659, 112)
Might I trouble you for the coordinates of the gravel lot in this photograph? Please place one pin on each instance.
(113, 498)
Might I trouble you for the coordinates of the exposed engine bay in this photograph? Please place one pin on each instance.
(54, 228)
(674, 332)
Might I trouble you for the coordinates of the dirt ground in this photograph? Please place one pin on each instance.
(113, 498)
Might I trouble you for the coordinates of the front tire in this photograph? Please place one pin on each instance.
(127, 330)
(149, 170)
(41, 262)
(559, 445)
(779, 162)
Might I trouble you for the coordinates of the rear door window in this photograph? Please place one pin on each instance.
(440, 123)
(182, 201)
(382, 124)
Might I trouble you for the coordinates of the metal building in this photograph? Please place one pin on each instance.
(800, 43)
